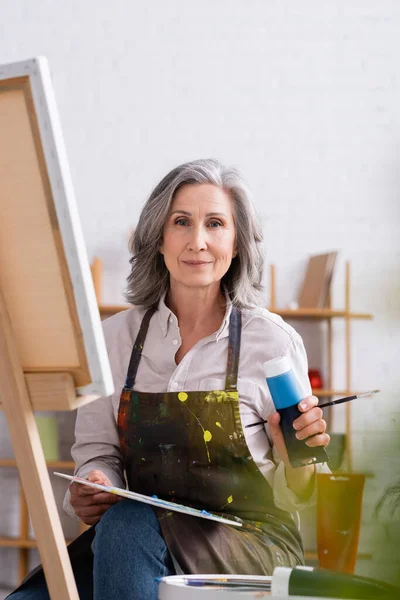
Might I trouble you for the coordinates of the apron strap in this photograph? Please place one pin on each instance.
(138, 347)
(235, 330)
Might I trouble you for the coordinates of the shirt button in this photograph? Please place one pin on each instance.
(175, 342)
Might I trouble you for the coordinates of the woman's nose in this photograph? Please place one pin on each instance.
(198, 239)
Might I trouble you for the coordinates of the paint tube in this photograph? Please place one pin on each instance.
(324, 583)
(286, 394)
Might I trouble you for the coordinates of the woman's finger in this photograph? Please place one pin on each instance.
(314, 414)
(78, 489)
(98, 477)
(96, 499)
(77, 496)
(322, 439)
(315, 428)
(105, 498)
(307, 403)
(275, 432)
(86, 490)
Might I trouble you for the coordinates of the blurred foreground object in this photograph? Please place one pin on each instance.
(339, 507)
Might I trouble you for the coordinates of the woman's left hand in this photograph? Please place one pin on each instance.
(309, 425)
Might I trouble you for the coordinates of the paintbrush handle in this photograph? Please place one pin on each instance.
(340, 401)
(254, 424)
(332, 403)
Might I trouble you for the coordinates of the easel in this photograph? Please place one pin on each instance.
(52, 351)
(18, 396)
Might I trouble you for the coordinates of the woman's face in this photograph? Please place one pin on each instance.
(199, 238)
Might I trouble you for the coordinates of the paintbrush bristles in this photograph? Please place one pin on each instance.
(368, 393)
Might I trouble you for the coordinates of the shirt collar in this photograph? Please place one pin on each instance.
(166, 317)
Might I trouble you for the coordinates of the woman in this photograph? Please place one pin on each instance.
(192, 345)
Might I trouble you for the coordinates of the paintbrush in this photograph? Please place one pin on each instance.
(331, 403)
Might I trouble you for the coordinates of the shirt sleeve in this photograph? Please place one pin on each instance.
(284, 497)
(96, 444)
(96, 434)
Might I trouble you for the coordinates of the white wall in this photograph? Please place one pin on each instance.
(303, 97)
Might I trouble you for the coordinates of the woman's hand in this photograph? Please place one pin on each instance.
(88, 503)
(310, 426)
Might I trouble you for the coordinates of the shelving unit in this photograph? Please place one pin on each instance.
(328, 314)
(24, 543)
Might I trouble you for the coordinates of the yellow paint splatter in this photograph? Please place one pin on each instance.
(207, 435)
(218, 424)
(229, 500)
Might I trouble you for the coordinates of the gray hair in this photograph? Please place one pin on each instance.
(148, 280)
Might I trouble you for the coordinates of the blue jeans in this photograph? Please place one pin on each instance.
(129, 554)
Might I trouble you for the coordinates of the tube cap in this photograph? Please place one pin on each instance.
(277, 366)
(280, 581)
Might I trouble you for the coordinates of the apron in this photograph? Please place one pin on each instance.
(189, 447)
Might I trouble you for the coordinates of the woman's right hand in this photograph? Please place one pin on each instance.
(89, 503)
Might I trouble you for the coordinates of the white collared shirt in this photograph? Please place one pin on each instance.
(264, 336)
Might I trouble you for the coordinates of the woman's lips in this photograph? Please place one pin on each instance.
(196, 263)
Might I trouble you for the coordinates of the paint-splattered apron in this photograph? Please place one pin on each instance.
(189, 447)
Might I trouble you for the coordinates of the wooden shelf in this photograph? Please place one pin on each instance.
(320, 313)
(106, 310)
(9, 542)
(322, 393)
(52, 464)
(299, 313)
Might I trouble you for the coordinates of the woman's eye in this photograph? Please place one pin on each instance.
(215, 224)
(182, 221)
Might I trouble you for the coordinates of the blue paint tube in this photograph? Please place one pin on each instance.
(324, 583)
(286, 394)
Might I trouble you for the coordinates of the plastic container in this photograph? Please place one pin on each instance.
(286, 395)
